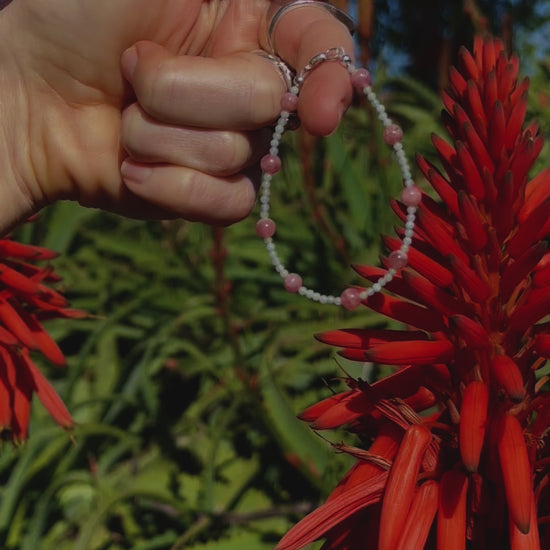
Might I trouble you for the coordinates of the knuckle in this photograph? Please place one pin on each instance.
(231, 153)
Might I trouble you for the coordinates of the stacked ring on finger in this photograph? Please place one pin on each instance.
(281, 7)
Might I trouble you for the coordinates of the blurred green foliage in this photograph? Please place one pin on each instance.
(186, 380)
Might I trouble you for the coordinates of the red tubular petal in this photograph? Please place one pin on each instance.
(477, 147)
(48, 396)
(58, 313)
(476, 110)
(516, 471)
(411, 353)
(446, 154)
(478, 50)
(522, 160)
(457, 82)
(536, 191)
(473, 421)
(515, 122)
(21, 404)
(506, 375)
(22, 251)
(473, 334)
(439, 183)
(333, 512)
(385, 445)
(343, 412)
(315, 411)
(529, 231)
(529, 541)
(420, 518)
(489, 55)
(6, 390)
(493, 251)
(410, 314)
(472, 221)
(517, 271)
(472, 178)
(363, 338)
(433, 296)
(43, 341)
(448, 103)
(497, 126)
(519, 91)
(467, 64)
(353, 354)
(14, 324)
(507, 74)
(469, 281)
(423, 264)
(399, 491)
(490, 92)
(7, 338)
(532, 311)
(443, 241)
(541, 277)
(451, 517)
(542, 345)
(503, 212)
(420, 401)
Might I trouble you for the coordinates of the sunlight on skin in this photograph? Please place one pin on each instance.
(67, 110)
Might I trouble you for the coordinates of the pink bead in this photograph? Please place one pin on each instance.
(350, 298)
(289, 102)
(270, 164)
(265, 228)
(392, 134)
(411, 196)
(293, 282)
(360, 79)
(397, 260)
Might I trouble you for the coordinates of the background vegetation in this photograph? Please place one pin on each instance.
(186, 380)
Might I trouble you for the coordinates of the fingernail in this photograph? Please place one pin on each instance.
(134, 173)
(129, 61)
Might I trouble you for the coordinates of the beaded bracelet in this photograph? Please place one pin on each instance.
(411, 196)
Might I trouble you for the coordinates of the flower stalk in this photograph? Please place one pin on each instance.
(468, 407)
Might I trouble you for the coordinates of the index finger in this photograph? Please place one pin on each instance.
(302, 33)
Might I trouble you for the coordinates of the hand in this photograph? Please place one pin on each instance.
(170, 87)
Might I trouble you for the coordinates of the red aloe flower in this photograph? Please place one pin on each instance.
(459, 455)
(26, 300)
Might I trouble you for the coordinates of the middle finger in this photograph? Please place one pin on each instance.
(214, 152)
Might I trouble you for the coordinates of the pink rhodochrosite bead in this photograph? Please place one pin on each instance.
(265, 228)
(392, 134)
(411, 196)
(289, 102)
(293, 282)
(360, 79)
(270, 164)
(350, 298)
(397, 260)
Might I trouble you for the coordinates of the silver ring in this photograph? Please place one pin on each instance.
(286, 72)
(280, 7)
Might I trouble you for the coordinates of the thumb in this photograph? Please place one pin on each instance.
(301, 34)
